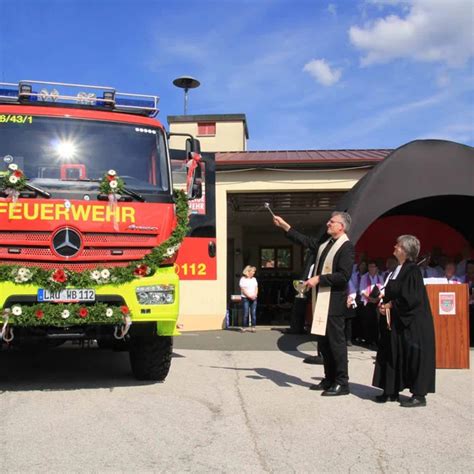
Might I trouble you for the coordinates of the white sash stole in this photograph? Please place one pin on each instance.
(320, 298)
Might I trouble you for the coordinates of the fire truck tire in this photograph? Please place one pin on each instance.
(150, 357)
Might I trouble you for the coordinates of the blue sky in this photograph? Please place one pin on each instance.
(320, 74)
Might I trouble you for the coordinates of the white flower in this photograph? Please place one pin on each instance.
(109, 312)
(170, 251)
(111, 173)
(13, 179)
(16, 310)
(22, 271)
(24, 274)
(95, 275)
(12, 166)
(105, 274)
(113, 184)
(22, 277)
(65, 314)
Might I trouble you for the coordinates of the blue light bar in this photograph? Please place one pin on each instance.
(8, 92)
(137, 103)
(78, 94)
(122, 101)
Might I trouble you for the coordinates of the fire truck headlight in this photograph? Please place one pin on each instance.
(156, 294)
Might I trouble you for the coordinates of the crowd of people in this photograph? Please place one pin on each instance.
(362, 314)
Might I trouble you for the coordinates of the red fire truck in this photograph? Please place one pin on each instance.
(90, 223)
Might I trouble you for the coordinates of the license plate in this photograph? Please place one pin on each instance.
(70, 295)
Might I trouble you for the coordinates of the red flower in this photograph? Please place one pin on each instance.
(59, 276)
(141, 270)
(39, 314)
(124, 309)
(83, 313)
(110, 178)
(18, 174)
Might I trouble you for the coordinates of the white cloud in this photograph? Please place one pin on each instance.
(322, 72)
(443, 79)
(431, 31)
(386, 2)
(331, 9)
(381, 117)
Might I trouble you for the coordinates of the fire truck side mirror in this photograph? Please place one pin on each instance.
(195, 191)
(192, 146)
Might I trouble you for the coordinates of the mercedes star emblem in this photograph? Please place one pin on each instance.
(67, 242)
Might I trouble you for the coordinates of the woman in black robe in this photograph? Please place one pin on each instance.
(406, 356)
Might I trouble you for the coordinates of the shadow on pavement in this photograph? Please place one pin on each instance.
(364, 392)
(65, 368)
(290, 343)
(262, 373)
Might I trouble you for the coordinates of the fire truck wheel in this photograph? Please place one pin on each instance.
(150, 357)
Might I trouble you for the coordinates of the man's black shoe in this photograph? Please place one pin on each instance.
(415, 401)
(336, 389)
(323, 385)
(317, 360)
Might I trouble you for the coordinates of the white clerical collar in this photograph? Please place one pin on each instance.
(396, 272)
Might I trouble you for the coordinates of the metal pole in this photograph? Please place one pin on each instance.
(186, 101)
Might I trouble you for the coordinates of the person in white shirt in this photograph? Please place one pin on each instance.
(249, 292)
(450, 272)
(369, 314)
(428, 271)
(390, 265)
(357, 330)
(351, 309)
(461, 267)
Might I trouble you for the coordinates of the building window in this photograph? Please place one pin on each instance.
(207, 128)
(276, 257)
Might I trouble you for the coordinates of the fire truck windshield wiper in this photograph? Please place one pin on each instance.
(37, 190)
(133, 194)
(126, 191)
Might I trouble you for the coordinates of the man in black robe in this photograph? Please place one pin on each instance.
(333, 343)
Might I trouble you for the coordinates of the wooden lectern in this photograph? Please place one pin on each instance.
(450, 308)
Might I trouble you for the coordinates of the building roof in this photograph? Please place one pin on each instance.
(263, 159)
(210, 118)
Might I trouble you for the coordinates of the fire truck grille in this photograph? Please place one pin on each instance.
(25, 236)
(76, 267)
(39, 237)
(110, 249)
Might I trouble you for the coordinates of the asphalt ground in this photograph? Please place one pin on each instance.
(233, 402)
(266, 338)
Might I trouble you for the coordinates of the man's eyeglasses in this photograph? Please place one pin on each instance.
(335, 222)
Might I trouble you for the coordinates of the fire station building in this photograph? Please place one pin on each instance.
(417, 188)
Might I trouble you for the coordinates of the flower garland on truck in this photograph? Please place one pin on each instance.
(13, 182)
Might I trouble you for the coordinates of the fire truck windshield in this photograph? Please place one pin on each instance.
(60, 154)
